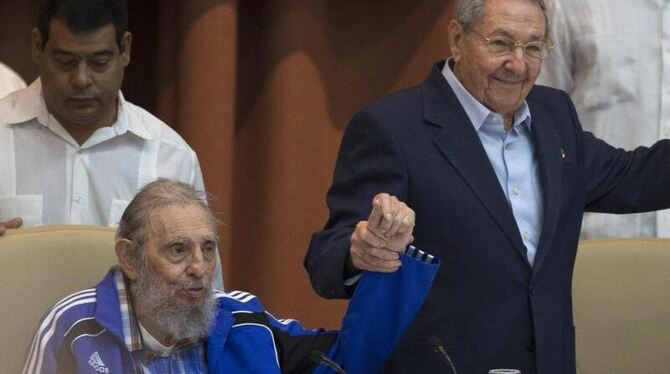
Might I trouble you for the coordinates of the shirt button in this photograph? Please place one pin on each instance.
(77, 199)
(516, 190)
(526, 235)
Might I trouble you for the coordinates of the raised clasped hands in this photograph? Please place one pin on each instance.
(377, 243)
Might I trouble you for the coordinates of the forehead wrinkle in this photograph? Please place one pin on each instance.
(507, 33)
(169, 230)
(83, 55)
(507, 17)
(179, 238)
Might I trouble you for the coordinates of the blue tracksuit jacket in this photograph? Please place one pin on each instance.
(83, 332)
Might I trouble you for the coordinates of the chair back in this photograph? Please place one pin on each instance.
(621, 303)
(39, 266)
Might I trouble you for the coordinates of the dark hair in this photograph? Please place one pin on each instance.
(83, 16)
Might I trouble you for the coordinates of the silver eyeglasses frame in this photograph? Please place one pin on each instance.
(501, 45)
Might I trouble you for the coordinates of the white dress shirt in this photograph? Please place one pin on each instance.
(9, 80)
(613, 58)
(47, 178)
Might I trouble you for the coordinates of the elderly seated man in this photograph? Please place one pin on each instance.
(155, 311)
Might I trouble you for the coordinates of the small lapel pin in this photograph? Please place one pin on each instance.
(562, 154)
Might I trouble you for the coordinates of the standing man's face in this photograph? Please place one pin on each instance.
(500, 82)
(81, 74)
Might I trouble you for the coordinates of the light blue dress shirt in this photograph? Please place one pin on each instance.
(512, 155)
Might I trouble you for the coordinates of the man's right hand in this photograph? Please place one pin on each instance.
(13, 223)
(376, 244)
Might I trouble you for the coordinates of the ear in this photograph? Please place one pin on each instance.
(124, 253)
(36, 45)
(456, 36)
(126, 44)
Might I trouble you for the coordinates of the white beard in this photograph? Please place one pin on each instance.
(155, 299)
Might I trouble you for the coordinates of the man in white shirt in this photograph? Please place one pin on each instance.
(9, 80)
(612, 57)
(72, 150)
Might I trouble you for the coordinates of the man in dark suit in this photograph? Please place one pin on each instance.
(498, 173)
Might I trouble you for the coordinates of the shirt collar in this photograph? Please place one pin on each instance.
(134, 334)
(131, 330)
(126, 122)
(26, 104)
(29, 104)
(475, 110)
(153, 344)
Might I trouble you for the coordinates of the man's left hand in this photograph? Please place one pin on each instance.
(392, 220)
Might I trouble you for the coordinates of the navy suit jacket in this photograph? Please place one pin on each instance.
(488, 306)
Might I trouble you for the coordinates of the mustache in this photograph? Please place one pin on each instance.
(191, 283)
(83, 93)
(510, 78)
(156, 299)
(83, 97)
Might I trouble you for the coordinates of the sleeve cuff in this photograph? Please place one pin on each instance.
(420, 255)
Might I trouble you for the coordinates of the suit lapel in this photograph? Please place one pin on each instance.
(458, 142)
(548, 152)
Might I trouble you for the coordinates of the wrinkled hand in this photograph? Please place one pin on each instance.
(13, 223)
(376, 244)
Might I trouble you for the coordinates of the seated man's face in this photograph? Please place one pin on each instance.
(81, 73)
(173, 286)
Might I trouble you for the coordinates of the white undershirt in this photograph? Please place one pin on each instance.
(153, 344)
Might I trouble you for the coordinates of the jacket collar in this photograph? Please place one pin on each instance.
(550, 156)
(122, 321)
(477, 112)
(114, 311)
(218, 334)
(459, 143)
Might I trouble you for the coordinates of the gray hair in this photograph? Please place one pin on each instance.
(160, 193)
(469, 11)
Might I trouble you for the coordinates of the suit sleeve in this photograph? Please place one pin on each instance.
(369, 162)
(619, 181)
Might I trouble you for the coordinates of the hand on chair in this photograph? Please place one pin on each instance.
(13, 223)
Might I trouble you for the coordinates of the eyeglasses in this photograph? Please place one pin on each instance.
(501, 45)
